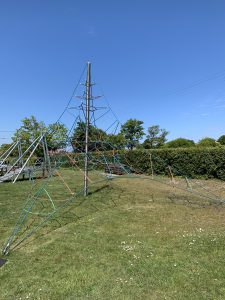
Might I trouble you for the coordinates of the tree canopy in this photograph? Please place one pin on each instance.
(97, 137)
(130, 136)
(180, 143)
(156, 137)
(116, 141)
(29, 130)
(132, 131)
(221, 140)
(56, 134)
(207, 142)
(4, 148)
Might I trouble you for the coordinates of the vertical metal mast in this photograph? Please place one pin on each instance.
(87, 117)
(20, 153)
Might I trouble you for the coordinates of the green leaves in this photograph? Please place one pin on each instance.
(31, 129)
(192, 162)
(156, 137)
(57, 136)
(221, 140)
(97, 138)
(207, 142)
(180, 143)
(132, 131)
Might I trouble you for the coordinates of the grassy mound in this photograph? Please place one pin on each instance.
(129, 239)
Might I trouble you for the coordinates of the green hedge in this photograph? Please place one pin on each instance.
(191, 162)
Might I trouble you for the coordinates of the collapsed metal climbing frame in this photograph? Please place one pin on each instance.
(12, 171)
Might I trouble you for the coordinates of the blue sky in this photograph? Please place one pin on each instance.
(158, 61)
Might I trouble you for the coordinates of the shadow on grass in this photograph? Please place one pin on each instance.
(98, 200)
(66, 216)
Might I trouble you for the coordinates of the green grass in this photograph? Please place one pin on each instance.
(130, 239)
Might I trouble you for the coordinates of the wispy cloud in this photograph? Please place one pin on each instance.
(212, 104)
(220, 100)
(92, 31)
(221, 106)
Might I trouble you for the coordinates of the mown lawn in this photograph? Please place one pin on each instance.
(129, 239)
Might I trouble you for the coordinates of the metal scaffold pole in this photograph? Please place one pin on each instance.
(87, 117)
(20, 153)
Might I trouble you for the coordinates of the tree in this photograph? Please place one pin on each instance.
(4, 148)
(207, 142)
(31, 129)
(180, 143)
(221, 140)
(56, 136)
(116, 141)
(132, 131)
(156, 137)
(97, 138)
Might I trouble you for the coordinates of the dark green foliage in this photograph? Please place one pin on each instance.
(193, 162)
(132, 131)
(97, 138)
(221, 140)
(4, 147)
(156, 137)
(116, 141)
(207, 142)
(180, 143)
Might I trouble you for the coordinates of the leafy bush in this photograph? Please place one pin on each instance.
(207, 142)
(221, 140)
(180, 143)
(190, 162)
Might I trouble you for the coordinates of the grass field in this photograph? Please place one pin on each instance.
(129, 239)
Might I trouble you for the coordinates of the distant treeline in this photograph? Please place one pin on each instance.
(130, 136)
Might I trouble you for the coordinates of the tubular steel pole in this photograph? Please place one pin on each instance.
(87, 117)
(20, 153)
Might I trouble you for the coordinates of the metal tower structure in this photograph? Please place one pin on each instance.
(87, 117)
(91, 159)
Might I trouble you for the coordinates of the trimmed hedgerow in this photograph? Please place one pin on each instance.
(193, 162)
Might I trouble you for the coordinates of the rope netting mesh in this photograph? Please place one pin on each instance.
(65, 181)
